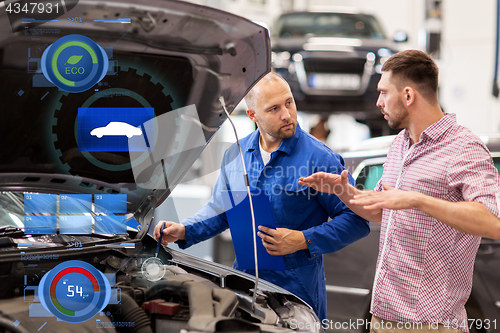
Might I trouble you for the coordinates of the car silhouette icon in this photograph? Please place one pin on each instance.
(116, 128)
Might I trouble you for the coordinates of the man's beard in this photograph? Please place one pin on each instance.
(289, 133)
(396, 121)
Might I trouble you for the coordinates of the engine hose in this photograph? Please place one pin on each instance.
(130, 312)
(204, 312)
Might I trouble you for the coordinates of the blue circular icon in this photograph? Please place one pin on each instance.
(74, 291)
(74, 63)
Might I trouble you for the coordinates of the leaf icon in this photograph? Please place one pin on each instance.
(74, 59)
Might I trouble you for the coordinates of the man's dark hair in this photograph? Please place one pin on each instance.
(417, 68)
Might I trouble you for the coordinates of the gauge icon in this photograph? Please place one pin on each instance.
(74, 63)
(74, 291)
(153, 269)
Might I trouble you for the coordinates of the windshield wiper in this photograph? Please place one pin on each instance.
(11, 231)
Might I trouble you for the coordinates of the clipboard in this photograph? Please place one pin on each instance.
(237, 207)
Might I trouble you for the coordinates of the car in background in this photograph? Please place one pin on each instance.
(332, 61)
(73, 221)
(350, 272)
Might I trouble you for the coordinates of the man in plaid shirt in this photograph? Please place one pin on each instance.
(438, 195)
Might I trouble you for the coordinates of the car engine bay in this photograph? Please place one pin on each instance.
(186, 299)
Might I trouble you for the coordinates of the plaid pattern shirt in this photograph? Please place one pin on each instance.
(424, 268)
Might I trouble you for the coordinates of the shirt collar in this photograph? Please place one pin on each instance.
(437, 129)
(286, 145)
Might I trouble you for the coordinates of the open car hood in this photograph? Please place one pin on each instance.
(162, 65)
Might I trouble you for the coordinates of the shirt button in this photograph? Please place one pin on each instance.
(309, 241)
(314, 255)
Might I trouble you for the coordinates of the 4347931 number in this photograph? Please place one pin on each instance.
(472, 323)
(32, 8)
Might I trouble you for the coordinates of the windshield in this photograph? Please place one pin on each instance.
(328, 25)
(41, 219)
(11, 209)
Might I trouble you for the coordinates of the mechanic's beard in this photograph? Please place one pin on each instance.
(400, 116)
(288, 134)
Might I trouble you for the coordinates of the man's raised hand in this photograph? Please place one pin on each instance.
(327, 182)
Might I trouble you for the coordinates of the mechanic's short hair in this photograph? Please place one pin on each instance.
(414, 67)
(253, 95)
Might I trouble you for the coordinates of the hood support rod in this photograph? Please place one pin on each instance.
(247, 183)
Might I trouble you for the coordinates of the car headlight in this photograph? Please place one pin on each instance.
(280, 59)
(383, 54)
(299, 317)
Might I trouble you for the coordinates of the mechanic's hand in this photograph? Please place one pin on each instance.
(173, 231)
(281, 241)
(390, 198)
(327, 182)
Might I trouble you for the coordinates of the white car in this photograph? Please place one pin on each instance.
(116, 128)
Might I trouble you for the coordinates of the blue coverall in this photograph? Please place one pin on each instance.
(294, 207)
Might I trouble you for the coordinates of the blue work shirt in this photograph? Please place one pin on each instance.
(294, 207)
